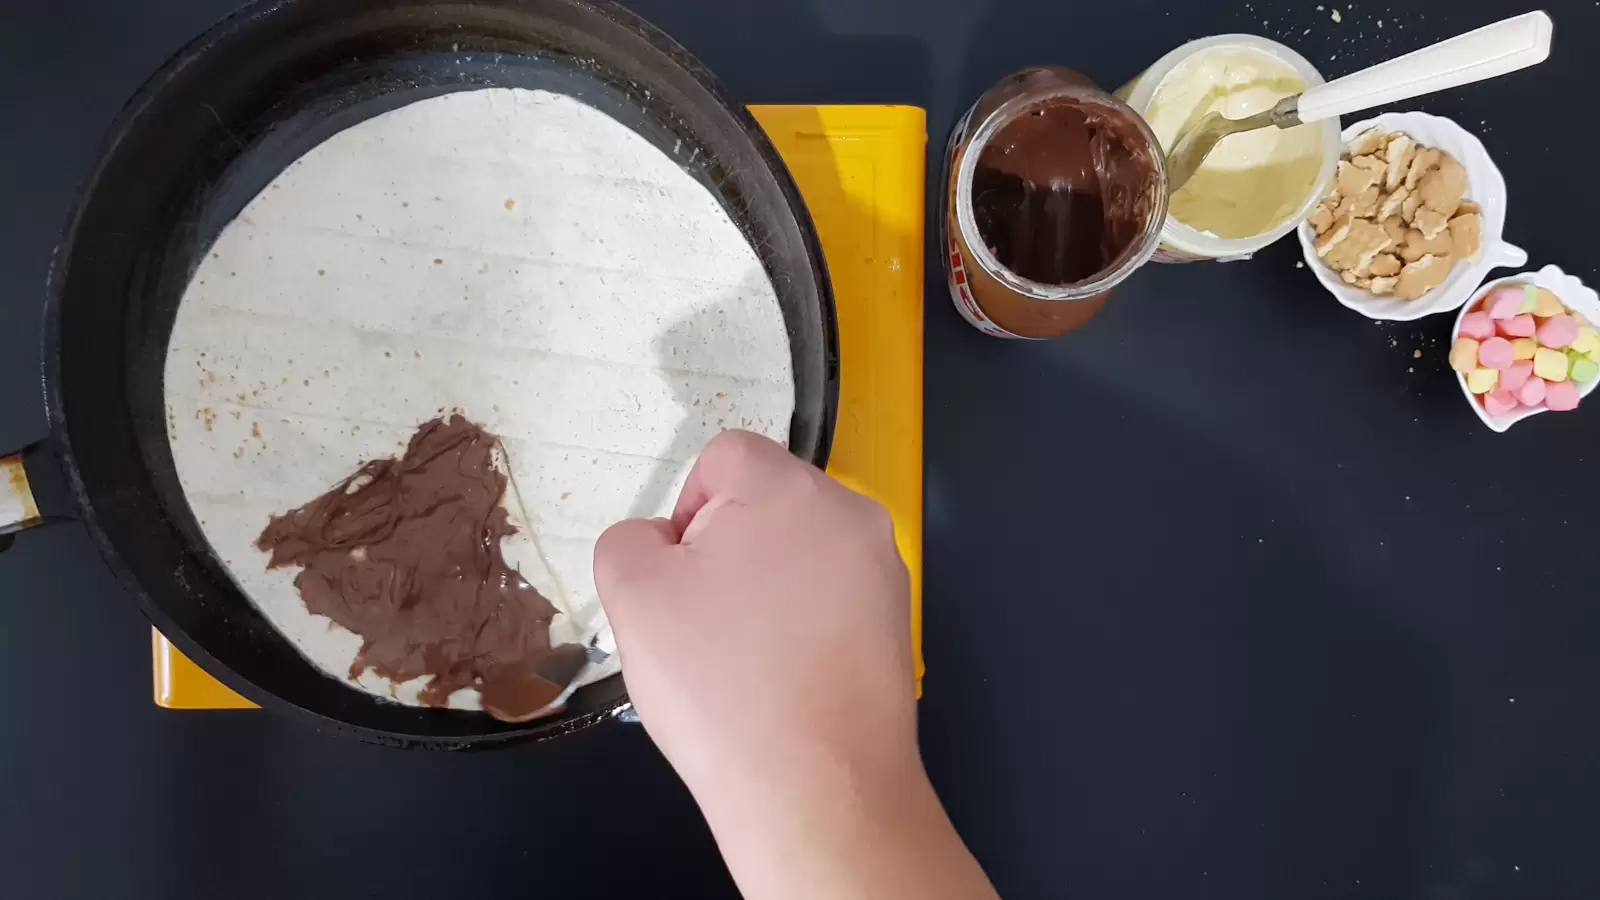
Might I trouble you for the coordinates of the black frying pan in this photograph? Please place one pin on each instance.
(211, 129)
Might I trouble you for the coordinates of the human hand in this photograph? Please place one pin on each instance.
(765, 629)
(765, 635)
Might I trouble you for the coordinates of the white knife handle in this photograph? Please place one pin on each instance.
(1490, 51)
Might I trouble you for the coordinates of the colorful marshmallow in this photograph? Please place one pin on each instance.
(1558, 331)
(1495, 353)
(1546, 304)
(1531, 394)
(1522, 326)
(1587, 342)
(1504, 303)
(1464, 355)
(1522, 349)
(1477, 325)
(1581, 369)
(1482, 381)
(1516, 375)
(1551, 365)
(1499, 402)
(1561, 396)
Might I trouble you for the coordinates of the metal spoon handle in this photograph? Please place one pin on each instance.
(1488, 52)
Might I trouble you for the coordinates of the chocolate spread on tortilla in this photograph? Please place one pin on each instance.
(406, 554)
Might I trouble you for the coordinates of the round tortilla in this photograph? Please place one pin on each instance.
(514, 255)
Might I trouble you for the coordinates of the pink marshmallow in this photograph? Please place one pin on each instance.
(1504, 303)
(1532, 392)
(1561, 396)
(1496, 353)
(1558, 331)
(1520, 326)
(1500, 402)
(1516, 375)
(1477, 325)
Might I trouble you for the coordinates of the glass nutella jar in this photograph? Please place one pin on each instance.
(1055, 191)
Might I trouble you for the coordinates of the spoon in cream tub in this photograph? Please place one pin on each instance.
(1490, 51)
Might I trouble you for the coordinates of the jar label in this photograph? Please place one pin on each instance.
(966, 304)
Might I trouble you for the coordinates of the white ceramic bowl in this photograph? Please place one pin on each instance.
(1485, 186)
(1574, 293)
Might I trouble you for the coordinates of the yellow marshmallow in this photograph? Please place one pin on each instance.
(1587, 342)
(1551, 365)
(1482, 381)
(1523, 348)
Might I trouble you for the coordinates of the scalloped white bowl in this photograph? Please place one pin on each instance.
(1572, 291)
(1485, 187)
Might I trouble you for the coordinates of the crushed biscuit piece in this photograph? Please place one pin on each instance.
(1372, 163)
(1467, 208)
(1389, 206)
(1365, 240)
(1396, 229)
(1422, 276)
(1335, 234)
(1401, 149)
(1417, 246)
(1430, 223)
(1321, 219)
(1466, 236)
(1443, 188)
(1384, 265)
(1353, 179)
(1369, 141)
(1365, 204)
(1409, 207)
(1383, 285)
(1421, 164)
(1349, 277)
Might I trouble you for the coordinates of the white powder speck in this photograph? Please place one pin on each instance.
(1337, 18)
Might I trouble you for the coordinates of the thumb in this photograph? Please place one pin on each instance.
(628, 552)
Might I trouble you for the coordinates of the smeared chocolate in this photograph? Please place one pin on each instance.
(406, 554)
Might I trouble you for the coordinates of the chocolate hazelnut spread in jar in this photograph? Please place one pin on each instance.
(1055, 191)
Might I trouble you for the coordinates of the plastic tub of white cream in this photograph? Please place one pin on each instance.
(1254, 187)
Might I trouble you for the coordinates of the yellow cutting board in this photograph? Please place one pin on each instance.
(861, 171)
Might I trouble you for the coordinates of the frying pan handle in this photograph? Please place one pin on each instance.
(32, 490)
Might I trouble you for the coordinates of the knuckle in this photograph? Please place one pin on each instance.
(749, 459)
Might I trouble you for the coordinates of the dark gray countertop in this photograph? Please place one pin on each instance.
(1228, 595)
